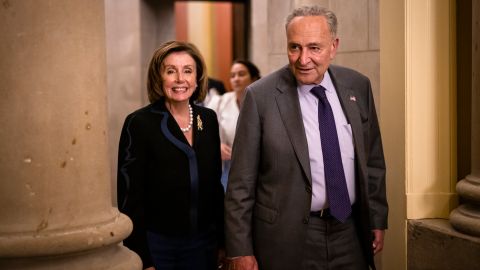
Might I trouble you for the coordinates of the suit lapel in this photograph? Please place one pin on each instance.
(289, 108)
(348, 100)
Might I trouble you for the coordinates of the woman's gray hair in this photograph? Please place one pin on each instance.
(315, 11)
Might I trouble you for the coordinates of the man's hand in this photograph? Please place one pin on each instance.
(377, 244)
(242, 263)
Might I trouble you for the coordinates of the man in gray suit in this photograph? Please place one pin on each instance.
(280, 209)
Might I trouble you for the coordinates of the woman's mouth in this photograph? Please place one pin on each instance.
(179, 89)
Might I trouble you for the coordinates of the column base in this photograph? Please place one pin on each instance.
(466, 219)
(434, 244)
(66, 241)
(469, 188)
(115, 257)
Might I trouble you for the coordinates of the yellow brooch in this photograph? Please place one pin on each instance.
(199, 123)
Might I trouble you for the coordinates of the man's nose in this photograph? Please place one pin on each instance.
(304, 57)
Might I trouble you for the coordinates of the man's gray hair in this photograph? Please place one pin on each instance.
(315, 11)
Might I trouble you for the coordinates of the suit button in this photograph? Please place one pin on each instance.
(305, 220)
(308, 189)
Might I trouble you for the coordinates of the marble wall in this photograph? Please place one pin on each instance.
(134, 29)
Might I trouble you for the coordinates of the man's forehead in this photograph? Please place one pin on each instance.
(308, 26)
(307, 20)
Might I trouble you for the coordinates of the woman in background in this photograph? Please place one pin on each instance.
(169, 167)
(227, 107)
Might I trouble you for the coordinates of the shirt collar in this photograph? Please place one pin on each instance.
(326, 83)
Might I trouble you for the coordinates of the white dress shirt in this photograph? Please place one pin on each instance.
(309, 108)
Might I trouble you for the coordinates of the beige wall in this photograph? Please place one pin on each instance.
(392, 110)
(134, 29)
(124, 80)
(418, 114)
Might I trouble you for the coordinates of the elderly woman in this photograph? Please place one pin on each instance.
(169, 166)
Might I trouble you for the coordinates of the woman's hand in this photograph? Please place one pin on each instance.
(226, 151)
(221, 259)
(242, 263)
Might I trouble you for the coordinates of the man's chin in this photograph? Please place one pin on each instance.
(304, 79)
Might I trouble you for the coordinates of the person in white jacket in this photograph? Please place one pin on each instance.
(227, 107)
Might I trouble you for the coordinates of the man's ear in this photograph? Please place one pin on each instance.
(333, 51)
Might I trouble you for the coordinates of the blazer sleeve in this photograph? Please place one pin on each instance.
(240, 195)
(376, 170)
(219, 195)
(130, 186)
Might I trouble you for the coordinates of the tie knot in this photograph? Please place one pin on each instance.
(319, 92)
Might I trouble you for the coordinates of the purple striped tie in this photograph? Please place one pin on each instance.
(337, 192)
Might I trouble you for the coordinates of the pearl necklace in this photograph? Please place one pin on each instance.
(190, 110)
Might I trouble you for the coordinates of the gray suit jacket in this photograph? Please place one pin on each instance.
(267, 205)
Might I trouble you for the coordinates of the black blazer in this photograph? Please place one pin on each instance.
(165, 185)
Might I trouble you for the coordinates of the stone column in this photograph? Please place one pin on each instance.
(55, 192)
(466, 218)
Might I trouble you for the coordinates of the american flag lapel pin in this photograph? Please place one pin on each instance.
(353, 98)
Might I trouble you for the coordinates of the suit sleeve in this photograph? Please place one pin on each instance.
(240, 196)
(376, 170)
(130, 187)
